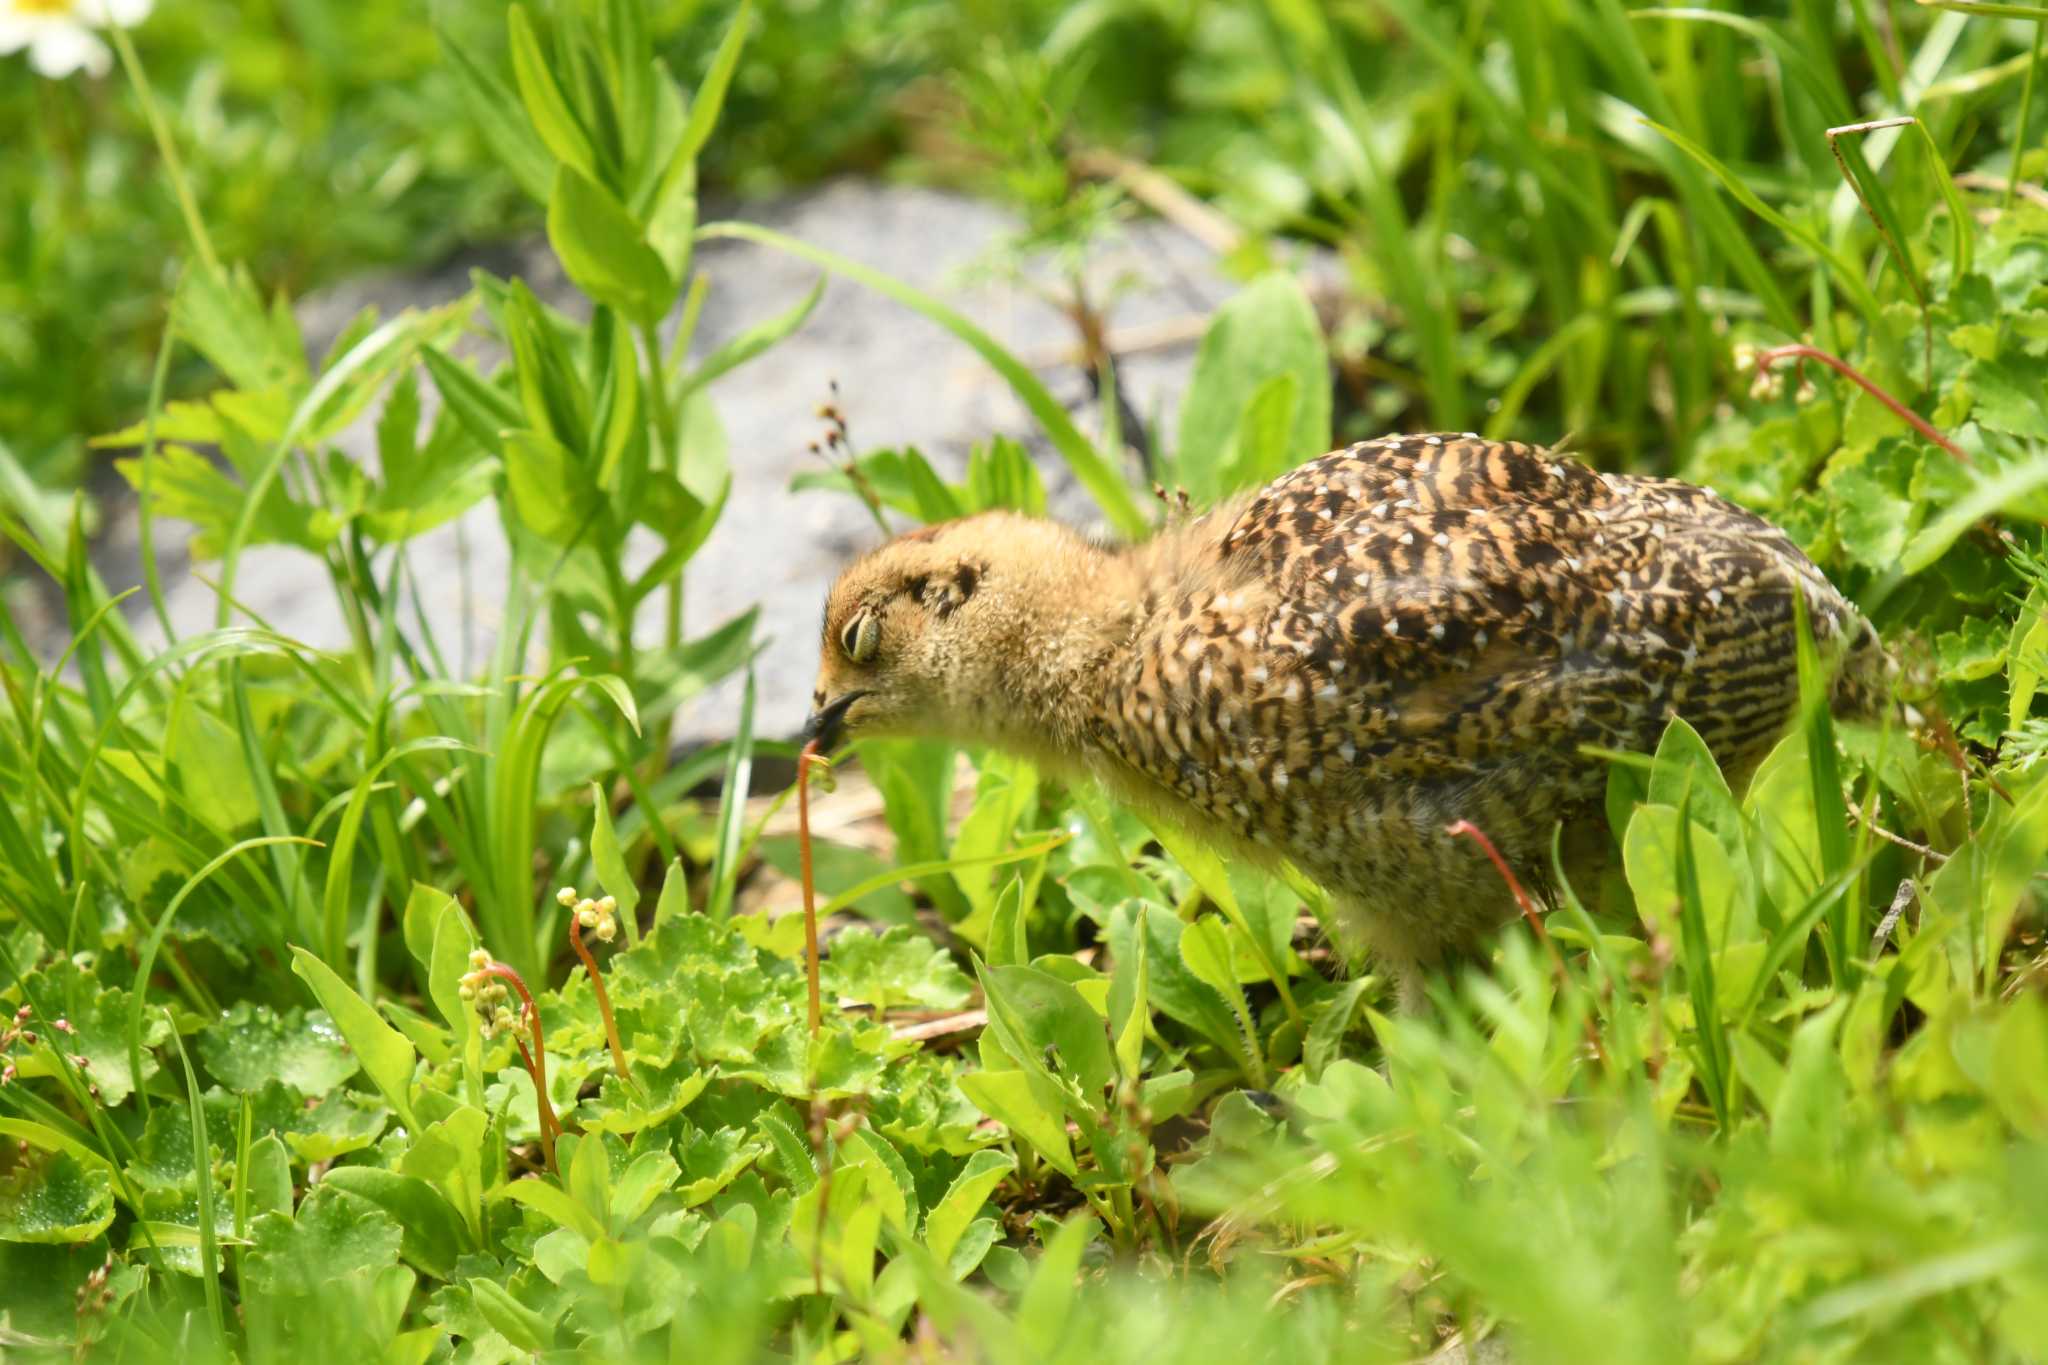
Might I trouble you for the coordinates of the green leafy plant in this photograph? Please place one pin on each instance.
(1775, 1087)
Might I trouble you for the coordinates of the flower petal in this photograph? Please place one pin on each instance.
(61, 49)
(16, 32)
(126, 13)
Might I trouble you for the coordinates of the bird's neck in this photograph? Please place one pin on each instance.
(1062, 624)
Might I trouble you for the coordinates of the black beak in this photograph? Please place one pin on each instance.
(824, 725)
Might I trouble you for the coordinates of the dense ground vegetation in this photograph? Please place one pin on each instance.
(311, 1050)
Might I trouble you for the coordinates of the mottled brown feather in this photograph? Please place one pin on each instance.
(1392, 637)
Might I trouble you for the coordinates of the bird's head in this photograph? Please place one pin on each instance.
(935, 632)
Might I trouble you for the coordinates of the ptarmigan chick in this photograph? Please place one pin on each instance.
(1393, 637)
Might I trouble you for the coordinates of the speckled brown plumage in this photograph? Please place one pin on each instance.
(1409, 632)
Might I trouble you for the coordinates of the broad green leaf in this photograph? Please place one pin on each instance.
(675, 896)
(1006, 792)
(551, 1202)
(387, 1058)
(1326, 1035)
(601, 249)
(207, 767)
(2020, 1065)
(644, 1180)
(449, 1155)
(2027, 657)
(889, 1181)
(266, 1185)
(589, 1170)
(1267, 331)
(1039, 1011)
(858, 1234)
(522, 1326)
(1130, 1009)
(611, 864)
(552, 492)
(1170, 986)
(223, 315)
(657, 1093)
(552, 118)
(1008, 1098)
(496, 113)
(484, 411)
(950, 1218)
(1650, 858)
(1261, 448)
(1008, 945)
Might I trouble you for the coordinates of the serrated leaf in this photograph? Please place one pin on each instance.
(431, 1232)
(55, 1197)
(896, 967)
(253, 1045)
(334, 1234)
(1975, 650)
(657, 1093)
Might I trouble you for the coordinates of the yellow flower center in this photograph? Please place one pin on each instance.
(47, 7)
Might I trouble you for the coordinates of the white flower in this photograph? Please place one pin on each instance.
(58, 33)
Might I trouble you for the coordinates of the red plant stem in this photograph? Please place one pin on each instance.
(805, 760)
(1507, 874)
(536, 1061)
(604, 999)
(1766, 359)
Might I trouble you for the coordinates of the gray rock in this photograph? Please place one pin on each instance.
(902, 381)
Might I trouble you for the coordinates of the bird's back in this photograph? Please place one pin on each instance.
(1426, 628)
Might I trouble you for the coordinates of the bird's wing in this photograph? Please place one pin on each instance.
(1445, 605)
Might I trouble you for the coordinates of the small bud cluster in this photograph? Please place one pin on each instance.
(837, 440)
(486, 992)
(96, 1295)
(600, 916)
(18, 1031)
(1767, 381)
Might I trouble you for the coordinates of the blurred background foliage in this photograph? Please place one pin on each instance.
(328, 139)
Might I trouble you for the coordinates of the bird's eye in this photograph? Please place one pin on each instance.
(860, 639)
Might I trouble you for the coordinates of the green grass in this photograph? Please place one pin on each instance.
(276, 1106)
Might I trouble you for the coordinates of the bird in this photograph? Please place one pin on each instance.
(1332, 669)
